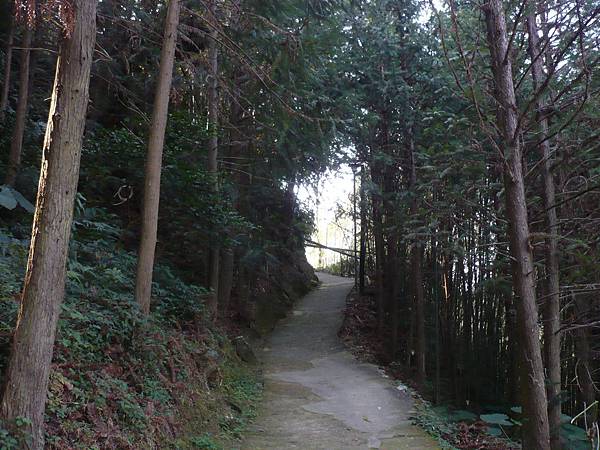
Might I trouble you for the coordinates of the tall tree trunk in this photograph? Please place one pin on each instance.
(16, 145)
(535, 406)
(551, 308)
(379, 261)
(145, 265)
(26, 379)
(377, 206)
(417, 269)
(7, 64)
(213, 124)
(419, 302)
(363, 233)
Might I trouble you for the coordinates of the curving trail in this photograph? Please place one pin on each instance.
(317, 396)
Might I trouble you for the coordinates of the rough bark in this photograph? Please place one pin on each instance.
(7, 68)
(26, 379)
(536, 431)
(551, 304)
(16, 144)
(213, 147)
(145, 265)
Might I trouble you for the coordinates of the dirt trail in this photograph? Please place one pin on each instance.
(317, 396)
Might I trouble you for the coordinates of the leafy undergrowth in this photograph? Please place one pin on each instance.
(121, 381)
(454, 429)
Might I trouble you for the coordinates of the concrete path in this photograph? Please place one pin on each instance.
(317, 396)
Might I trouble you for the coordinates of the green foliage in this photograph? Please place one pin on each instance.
(497, 419)
(14, 435)
(111, 365)
(205, 442)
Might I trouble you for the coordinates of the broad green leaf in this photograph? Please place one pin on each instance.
(7, 198)
(497, 419)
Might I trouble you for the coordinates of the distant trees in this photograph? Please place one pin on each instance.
(491, 194)
(26, 379)
(7, 62)
(16, 145)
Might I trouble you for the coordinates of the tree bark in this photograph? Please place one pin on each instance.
(213, 147)
(379, 261)
(26, 380)
(551, 308)
(7, 66)
(417, 270)
(143, 283)
(535, 406)
(363, 234)
(16, 145)
(583, 350)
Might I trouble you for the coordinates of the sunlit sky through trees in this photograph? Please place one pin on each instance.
(335, 189)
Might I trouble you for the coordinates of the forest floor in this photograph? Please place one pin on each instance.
(318, 396)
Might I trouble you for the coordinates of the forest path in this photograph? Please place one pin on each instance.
(317, 396)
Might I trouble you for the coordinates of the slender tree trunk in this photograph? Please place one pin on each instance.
(379, 262)
(419, 301)
(16, 145)
(417, 270)
(583, 351)
(398, 283)
(26, 379)
(363, 234)
(7, 65)
(145, 265)
(551, 309)
(213, 124)
(536, 433)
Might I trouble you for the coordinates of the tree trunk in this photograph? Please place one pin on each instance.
(7, 66)
(213, 123)
(143, 282)
(26, 380)
(583, 367)
(417, 269)
(535, 407)
(16, 145)
(363, 233)
(551, 308)
(419, 302)
(379, 261)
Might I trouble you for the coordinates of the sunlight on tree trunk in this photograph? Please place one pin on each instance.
(26, 382)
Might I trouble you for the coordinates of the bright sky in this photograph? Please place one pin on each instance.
(335, 188)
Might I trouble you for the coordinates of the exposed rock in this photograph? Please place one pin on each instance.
(243, 350)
